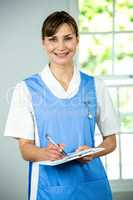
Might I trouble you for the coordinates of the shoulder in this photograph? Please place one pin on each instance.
(34, 82)
(21, 89)
(87, 80)
(100, 86)
(32, 77)
(21, 95)
(86, 76)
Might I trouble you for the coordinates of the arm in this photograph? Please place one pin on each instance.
(30, 152)
(109, 145)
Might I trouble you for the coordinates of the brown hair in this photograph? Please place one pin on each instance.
(54, 20)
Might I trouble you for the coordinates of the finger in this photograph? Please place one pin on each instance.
(57, 148)
(52, 146)
(55, 151)
(81, 148)
(83, 160)
(87, 158)
(61, 146)
(55, 156)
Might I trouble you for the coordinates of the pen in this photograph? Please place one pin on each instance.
(53, 142)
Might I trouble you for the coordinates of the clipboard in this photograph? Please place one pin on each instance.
(71, 156)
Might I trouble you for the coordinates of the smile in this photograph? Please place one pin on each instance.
(61, 54)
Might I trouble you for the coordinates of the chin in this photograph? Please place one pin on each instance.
(62, 62)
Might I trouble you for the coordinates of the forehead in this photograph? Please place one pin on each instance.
(64, 29)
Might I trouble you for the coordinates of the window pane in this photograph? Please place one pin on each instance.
(124, 54)
(127, 123)
(93, 13)
(124, 15)
(126, 108)
(95, 54)
(126, 155)
(126, 99)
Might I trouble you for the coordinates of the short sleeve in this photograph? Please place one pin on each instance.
(20, 123)
(107, 119)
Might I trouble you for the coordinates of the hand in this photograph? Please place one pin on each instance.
(51, 152)
(87, 158)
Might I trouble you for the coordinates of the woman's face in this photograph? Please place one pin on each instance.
(61, 46)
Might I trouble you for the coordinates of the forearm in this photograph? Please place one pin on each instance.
(30, 152)
(109, 145)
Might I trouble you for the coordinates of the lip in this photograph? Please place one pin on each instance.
(61, 54)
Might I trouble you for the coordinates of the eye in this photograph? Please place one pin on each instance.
(68, 38)
(52, 39)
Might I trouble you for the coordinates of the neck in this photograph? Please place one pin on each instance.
(63, 74)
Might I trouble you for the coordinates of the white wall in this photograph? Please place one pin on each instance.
(20, 55)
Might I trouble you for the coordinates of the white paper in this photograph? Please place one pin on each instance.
(72, 156)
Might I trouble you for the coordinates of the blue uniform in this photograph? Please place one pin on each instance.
(71, 122)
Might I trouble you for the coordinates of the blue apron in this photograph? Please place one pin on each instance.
(71, 122)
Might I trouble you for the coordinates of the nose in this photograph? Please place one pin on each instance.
(61, 45)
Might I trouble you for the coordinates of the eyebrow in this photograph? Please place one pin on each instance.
(70, 34)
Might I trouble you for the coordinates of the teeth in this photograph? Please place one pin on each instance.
(62, 54)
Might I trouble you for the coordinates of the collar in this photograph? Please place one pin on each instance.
(56, 88)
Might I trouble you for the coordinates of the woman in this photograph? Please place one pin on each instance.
(66, 104)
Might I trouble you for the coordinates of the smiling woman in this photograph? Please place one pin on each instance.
(66, 104)
(60, 38)
(61, 46)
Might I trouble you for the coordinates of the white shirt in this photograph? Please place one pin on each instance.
(20, 121)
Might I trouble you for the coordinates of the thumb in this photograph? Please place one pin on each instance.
(62, 146)
(81, 148)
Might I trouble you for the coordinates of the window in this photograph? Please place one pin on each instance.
(106, 50)
(106, 30)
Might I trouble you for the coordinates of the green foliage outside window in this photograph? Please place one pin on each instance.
(96, 21)
(106, 48)
(92, 12)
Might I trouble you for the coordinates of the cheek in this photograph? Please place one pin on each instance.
(48, 47)
(72, 46)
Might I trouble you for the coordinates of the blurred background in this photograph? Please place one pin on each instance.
(105, 50)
